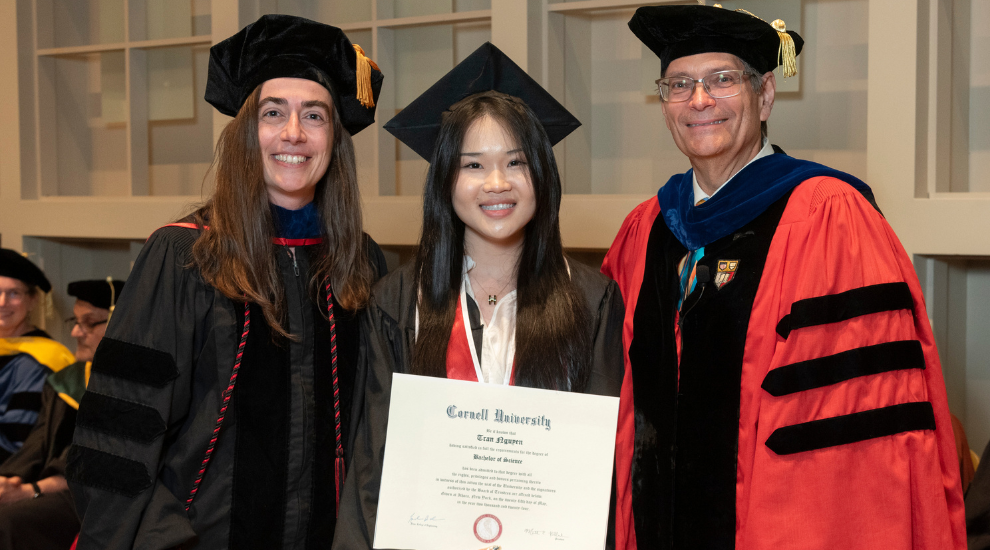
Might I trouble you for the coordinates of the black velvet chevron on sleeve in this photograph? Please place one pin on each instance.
(135, 363)
(26, 401)
(106, 471)
(834, 308)
(832, 369)
(850, 428)
(120, 418)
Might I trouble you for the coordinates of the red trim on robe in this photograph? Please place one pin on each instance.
(625, 262)
(275, 240)
(460, 363)
(187, 225)
(297, 242)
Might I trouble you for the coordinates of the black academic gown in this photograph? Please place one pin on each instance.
(153, 399)
(48, 522)
(20, 394)
(388, 328)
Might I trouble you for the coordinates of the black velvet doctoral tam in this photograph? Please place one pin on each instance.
(15, 266)
(96, 291)
(285, 46)
(679, 31)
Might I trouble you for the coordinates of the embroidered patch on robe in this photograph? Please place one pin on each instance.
(725, 270)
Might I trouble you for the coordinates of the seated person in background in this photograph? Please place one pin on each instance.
(27, 354)
(36, 509)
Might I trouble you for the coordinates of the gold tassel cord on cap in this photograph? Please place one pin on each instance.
(113, 297)
(365, 94)
(751, 14)
(787, 54)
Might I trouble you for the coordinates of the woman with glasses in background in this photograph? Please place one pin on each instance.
(27, 354)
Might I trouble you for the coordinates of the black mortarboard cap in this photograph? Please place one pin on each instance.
(97, 291)
(280, 46)
(16, 266)
(487, 69)
(678, 31)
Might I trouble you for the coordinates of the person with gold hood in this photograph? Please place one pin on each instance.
(36, 508)
(27, 354)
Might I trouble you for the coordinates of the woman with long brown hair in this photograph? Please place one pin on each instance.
(218, 411)
(491, 296)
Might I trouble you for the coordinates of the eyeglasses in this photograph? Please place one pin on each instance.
(86, 326)
(14, 295)
(720, 85)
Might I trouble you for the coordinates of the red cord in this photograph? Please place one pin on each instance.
(338, 462)
(338, 470)
(223, 407)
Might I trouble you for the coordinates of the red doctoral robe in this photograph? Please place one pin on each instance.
(798, 405)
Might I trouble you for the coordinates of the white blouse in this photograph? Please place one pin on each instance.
(498, 342)
(498, 348)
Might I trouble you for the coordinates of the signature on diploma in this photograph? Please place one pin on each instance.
(423, 520)
(556, 535)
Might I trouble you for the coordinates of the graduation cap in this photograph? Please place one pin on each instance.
(487, 69)
(102, 293)
(16, 266)
(678, 31)
(285, 46)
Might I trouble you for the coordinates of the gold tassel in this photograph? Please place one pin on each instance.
(365, 95)
(786, 54)
(49, 306)
(113, 297)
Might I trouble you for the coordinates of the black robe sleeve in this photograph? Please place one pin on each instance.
(28, 462)
(384, 351)
(388, 336)
(141, 386)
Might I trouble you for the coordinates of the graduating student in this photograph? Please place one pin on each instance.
(788, 392)
(36, 509)
(491, 296)
(212, 419)
(27, 354)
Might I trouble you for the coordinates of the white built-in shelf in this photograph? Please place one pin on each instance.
(437, 19)
(420, 20)
(138, 44)
(598, 5)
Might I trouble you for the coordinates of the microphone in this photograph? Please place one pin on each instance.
(702, 275)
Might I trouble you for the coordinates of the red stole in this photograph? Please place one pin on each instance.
(460, 362)
(275, 240)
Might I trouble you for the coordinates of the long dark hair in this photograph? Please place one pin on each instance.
(236, 255)
(553, 333)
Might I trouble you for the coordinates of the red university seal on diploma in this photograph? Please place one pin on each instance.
(487, 528)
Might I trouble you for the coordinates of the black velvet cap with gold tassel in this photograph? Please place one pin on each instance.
(101, 293)
(679, 31)
(280, 46)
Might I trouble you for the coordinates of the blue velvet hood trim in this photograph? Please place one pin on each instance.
(741, 200)
(304, 223)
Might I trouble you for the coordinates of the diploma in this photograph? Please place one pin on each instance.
(470, 465)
